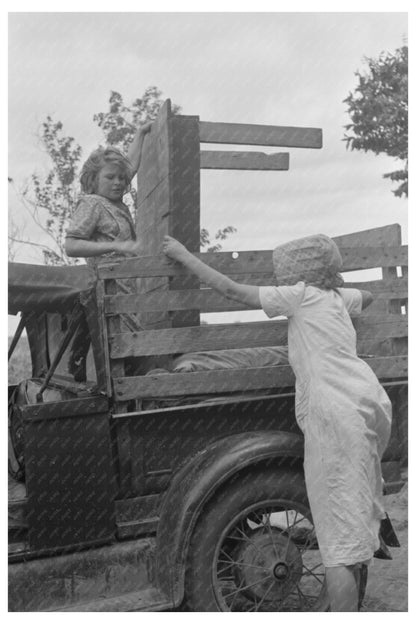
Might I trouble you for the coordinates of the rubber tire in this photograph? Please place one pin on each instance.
(238, 494)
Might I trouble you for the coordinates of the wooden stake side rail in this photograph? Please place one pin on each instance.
(222, 381)
(251, 262)
(381, 330)
(239, 335)
(207, 300)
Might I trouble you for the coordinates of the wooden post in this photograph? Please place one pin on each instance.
(169, 201)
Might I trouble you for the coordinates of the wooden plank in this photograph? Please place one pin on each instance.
(234, 336)
(207, 382)
(184, 217)
(250, 262)
(154, 197)
(104, 376)
(208, 300)
(244, 160)
(205, 338)
(223, 381)
(375, 237)
(155, 157)
(253, 134)
(373, 257)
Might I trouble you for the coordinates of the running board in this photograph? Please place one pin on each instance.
(119, 577)
(144, 600)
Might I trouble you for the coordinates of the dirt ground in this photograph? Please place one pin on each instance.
(387, 588)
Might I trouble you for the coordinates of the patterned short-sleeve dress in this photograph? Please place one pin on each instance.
(345, 416)
(95, 218)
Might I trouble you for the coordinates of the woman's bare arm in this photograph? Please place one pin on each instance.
(248, 295)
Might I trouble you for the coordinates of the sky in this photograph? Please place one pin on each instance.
(274, 68)
(290, 69)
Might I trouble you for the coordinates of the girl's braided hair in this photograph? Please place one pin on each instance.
(96, 161)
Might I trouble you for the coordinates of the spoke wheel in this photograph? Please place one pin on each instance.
(254, 549)
(266, 560)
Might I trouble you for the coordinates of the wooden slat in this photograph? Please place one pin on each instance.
(373, 257)
(250, 262)
(207, 382)
(226, 336)
(222, 381)
(207, 300)
(387, 235)
(252, 134)
(244, 160)
(205, 338)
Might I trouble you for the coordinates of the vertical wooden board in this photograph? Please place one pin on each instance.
(114, 325)
(184, 218)
(154, 168)
(98, 331)
(185, 181)
(153, 202)
(398, 345)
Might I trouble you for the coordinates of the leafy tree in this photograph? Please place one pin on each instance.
(378, 108)
(50, 201)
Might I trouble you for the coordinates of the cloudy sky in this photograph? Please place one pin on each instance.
(265, 68)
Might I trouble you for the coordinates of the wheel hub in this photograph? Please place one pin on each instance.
(267, 565)
(281, 571)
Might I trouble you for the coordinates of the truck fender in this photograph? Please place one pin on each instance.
(195, 483)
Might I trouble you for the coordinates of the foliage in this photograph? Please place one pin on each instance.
(120, 122)
(378, 108)
(50, 200)
(220, 235)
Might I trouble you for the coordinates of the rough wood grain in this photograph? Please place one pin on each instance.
(234, 336)
(252, 134)
(244, 161)
(207, 300)
(251, 262)
(222, 381)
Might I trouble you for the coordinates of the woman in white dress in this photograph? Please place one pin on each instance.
(342, 409)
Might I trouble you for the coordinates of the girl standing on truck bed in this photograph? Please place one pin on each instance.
(101, 227)
(341, 408)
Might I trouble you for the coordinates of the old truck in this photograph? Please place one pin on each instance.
(165, 470)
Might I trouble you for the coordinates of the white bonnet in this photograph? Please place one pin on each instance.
(313, 260)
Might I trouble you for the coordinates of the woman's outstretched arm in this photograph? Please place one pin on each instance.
(219, 282)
